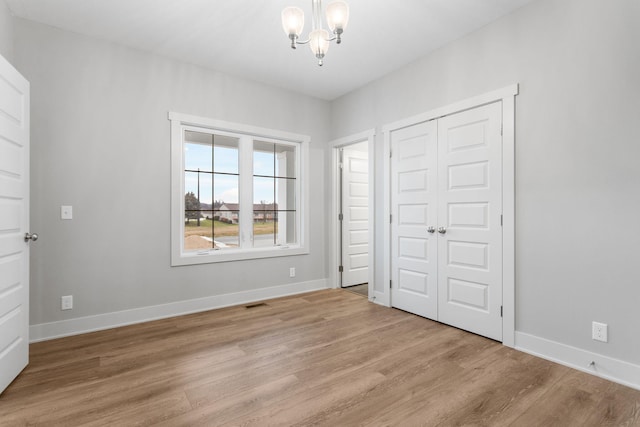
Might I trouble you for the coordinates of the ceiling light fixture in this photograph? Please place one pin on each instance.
(319, 38)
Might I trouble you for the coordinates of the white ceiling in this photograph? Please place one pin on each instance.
(245, 37)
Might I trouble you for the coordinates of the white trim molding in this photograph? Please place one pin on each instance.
(616, 370)
(334, 258)
(506, 96)
(81, 325)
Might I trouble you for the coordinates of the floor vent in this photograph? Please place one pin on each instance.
(258, 304)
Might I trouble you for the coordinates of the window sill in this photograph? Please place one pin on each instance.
(228, 255)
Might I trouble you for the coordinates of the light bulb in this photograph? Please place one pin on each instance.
(319, 43)
(337, 16)
(292, 21)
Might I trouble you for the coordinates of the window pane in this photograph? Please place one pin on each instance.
(225, 154)
(285, 161)
(198, 183)
(264, 228)
(225, 191)
(263, 191)
(197, 231)
(197, 151)
(226, 230)
(197, 157)
(285, 194)
(263, 158)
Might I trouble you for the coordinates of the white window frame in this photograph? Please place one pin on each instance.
(180, 122)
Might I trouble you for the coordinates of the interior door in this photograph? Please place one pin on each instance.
(470, 209)
(355, 210)
(14, 222)
(414, 188)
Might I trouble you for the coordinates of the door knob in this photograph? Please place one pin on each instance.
(30, 236)
(442, 230)
(431, 229)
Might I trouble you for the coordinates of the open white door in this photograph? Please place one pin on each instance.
(355, 210)
(14, 223)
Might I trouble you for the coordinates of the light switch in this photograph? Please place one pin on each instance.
(66, 212)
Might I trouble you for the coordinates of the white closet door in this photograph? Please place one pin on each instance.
(470, 208)
(355, 223)
(414, 190)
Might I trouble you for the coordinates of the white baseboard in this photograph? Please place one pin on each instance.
(606, 367)
(81, 325)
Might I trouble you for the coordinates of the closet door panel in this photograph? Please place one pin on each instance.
(414, 208)
(470, 208)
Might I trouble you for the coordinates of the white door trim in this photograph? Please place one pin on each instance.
(334, 242)
(507, 96)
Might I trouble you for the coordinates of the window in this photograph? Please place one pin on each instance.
(237, 191)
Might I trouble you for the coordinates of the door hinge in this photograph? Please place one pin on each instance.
(340, 217)
(390, 284)
(501, 221)
(500, 311)
(390, 219)
(501, 128)
(390, 153)
(340, 269)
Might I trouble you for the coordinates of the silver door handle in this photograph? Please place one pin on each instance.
(30, 236)
(442, 230)
(431, 229)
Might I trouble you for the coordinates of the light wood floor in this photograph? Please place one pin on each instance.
(362, 289)
(324, 358)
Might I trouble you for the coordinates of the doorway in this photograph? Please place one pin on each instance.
(353, 215)
(352, 223)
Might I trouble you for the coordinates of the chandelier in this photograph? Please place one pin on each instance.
(319, 38)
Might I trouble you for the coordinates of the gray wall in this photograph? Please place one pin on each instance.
(578, 145)
(100, 142)
(6, 32)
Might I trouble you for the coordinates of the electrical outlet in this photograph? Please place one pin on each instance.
(292, 272)
(66, 302)
(66, 212)
(600, 332)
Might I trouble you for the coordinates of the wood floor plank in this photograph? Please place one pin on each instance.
(323, 358)
(616, 408)
(570, 402)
